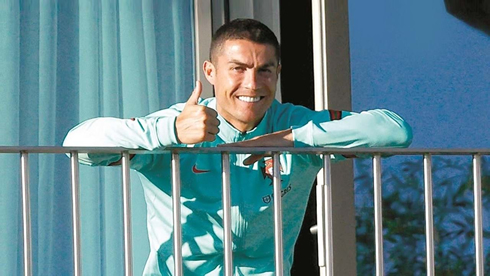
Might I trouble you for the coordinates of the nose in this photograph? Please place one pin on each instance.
(250, 80)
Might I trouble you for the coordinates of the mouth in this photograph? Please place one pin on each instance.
(250, 99)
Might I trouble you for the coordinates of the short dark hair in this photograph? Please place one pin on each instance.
(243, 28)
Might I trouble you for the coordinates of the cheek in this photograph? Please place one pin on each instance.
(230, 86)
(270, 83)
(271, 87)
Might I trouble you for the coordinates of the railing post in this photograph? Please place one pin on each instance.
(26, 212)
(278, 215)
(429, 220)
(478, 215)
(126, 189)
(324, 219)
(378, 214)
(75, 205)
(226, 190)
(176, 214)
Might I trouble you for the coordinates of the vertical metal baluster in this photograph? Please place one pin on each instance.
(126, 189)
(478, 214)
(378, 214)
(26, 212)
(228, 261)
(278, 215)
(324, 219)
(176, 214)
(429, 218)
(75, 205)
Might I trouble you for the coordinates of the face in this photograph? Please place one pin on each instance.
(244, 76)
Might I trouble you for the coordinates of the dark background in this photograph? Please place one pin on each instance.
(297, 87)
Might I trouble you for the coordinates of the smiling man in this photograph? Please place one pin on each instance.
(244, 74)
(244, 67)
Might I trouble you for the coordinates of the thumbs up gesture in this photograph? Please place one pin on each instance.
(196, 123)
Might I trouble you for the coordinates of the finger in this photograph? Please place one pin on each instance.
(195, 94)
(212, 122)
(213, 130)
(211, 112)
(252, 159)
(209, 137)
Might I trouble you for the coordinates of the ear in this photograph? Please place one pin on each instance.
(209, 71)
(279, 67)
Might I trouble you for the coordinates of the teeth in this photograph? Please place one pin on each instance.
(249, 99)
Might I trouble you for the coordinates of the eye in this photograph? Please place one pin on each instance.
(266, 71)
(238, 68)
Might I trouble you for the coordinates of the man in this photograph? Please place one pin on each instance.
(244, 67)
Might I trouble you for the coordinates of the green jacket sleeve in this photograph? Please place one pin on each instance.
(151, 132)
(372, 128)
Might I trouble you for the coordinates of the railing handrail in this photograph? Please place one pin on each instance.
(264, 150)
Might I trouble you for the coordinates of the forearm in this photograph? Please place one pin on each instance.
(373, 128)
(142, 133)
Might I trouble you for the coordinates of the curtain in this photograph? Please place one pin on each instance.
(62, 62)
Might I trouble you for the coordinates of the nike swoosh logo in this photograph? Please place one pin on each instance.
(196, 170)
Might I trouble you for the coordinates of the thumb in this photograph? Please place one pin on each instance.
(195, 94)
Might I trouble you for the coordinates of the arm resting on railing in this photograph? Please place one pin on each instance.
(138, 133)
(372, 128)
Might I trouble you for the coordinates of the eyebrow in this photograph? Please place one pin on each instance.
(269, 64)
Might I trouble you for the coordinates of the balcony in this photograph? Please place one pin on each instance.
(323, 230)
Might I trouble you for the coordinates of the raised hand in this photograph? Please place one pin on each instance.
(196, 123)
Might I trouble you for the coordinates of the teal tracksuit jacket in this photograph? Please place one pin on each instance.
(252, 212)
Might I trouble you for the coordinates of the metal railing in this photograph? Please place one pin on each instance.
(323, 229)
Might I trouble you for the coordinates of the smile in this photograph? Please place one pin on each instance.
(249, 99)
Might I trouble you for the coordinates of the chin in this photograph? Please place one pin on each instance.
(252, 120)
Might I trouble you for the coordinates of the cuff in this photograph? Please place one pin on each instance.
(302, 135)
(166, 131)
